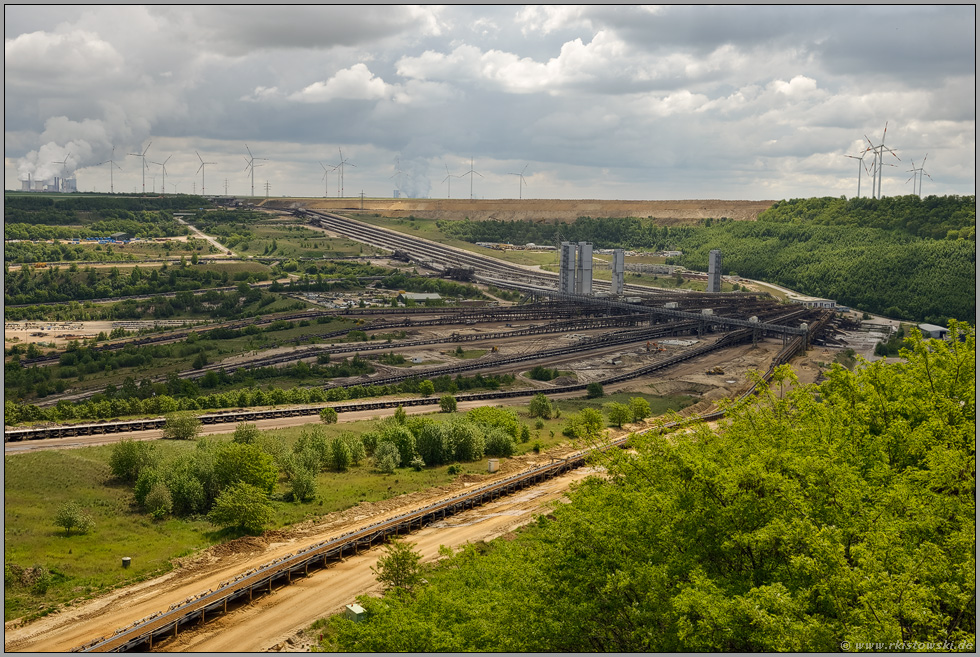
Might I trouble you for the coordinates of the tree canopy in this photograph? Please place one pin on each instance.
(819, 518)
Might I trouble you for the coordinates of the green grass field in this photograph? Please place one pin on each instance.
(82, 565)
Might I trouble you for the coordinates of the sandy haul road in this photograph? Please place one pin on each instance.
(272, 619)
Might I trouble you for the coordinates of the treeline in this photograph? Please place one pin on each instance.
(622, 232)
(830, 516)
(26, 285)
(233, 304)
(60, 225)
(935, 217)
(153, 399)
(103, 202)
(882, 259)
(870, 269)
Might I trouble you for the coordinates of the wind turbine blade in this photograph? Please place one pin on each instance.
(199, 156)
(924, 159)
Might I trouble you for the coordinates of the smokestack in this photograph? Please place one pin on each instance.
(618, 272)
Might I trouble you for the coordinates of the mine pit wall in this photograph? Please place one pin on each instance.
(681, 212)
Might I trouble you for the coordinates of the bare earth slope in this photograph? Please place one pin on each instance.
(669, 212)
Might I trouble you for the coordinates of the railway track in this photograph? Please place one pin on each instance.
(164, 624)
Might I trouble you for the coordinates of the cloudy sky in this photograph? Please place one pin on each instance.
(599, 101)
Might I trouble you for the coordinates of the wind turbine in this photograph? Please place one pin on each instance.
(163, 166)
(64, 168)
(250, 164)
(860, 166)
(470, 174)
(111, 163)
(523, 183)
(398, 173)
(918, 171)
(143, 155)
(449, 182)
(343, 161)
(201, 169)
(326, 172)
(879, 151)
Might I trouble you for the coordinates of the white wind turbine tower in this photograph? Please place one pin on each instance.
(143, 156)
(917, 172)
(326, 172)
(201, 169)
(64, 169)
(163, 166)
(340, 192)
(523, 183)
(449, 182)
(111, 163)
(879, 152)
(398, 174)
(470, 174)
(860, 166)
(250, 164)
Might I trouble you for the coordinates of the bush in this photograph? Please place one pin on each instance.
(70, 516)
(618, 413)
(426, 388)
(640, 408)
(447, 404)
(181, 426)
(539, 406)
(246, 433)
(417, 463)
(386, 457)
(499, 443)
(328, 416)
(594, 390)
(159, 502)
(303, 484)
(242, 505)
(454, 469)
(130, 457)
(541, 373)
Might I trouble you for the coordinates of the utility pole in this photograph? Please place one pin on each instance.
(267, 189)
(362, 199)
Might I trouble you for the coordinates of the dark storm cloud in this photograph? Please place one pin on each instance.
(661, 102)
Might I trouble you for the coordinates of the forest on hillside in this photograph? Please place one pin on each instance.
(823, 518)
(903, 257)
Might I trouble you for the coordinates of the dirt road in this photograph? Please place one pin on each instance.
(270, 620)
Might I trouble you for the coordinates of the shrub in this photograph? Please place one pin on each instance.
(499, 443)
(447, 404)
(130, 457)
(426, 388)
(640, 408)
(181, 426)
(159, 502)
(242, 505)
(328, 416)
(454, 469)
(386, 457)
(70, 516)
(594, 390)
(246, 433)
(539, 406)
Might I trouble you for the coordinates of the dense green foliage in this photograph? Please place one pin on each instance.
(906, 257)
(25, 286)
(185, 395)
(101, 202)
(824, 517)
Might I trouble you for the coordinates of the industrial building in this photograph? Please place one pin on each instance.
(812, 302)
(54, 185)
(575, 268)
(714, 271)
(583, 269)
(618, 272)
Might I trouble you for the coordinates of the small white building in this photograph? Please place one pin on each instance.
(811, 302)
(933, 331)
(419, 296)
